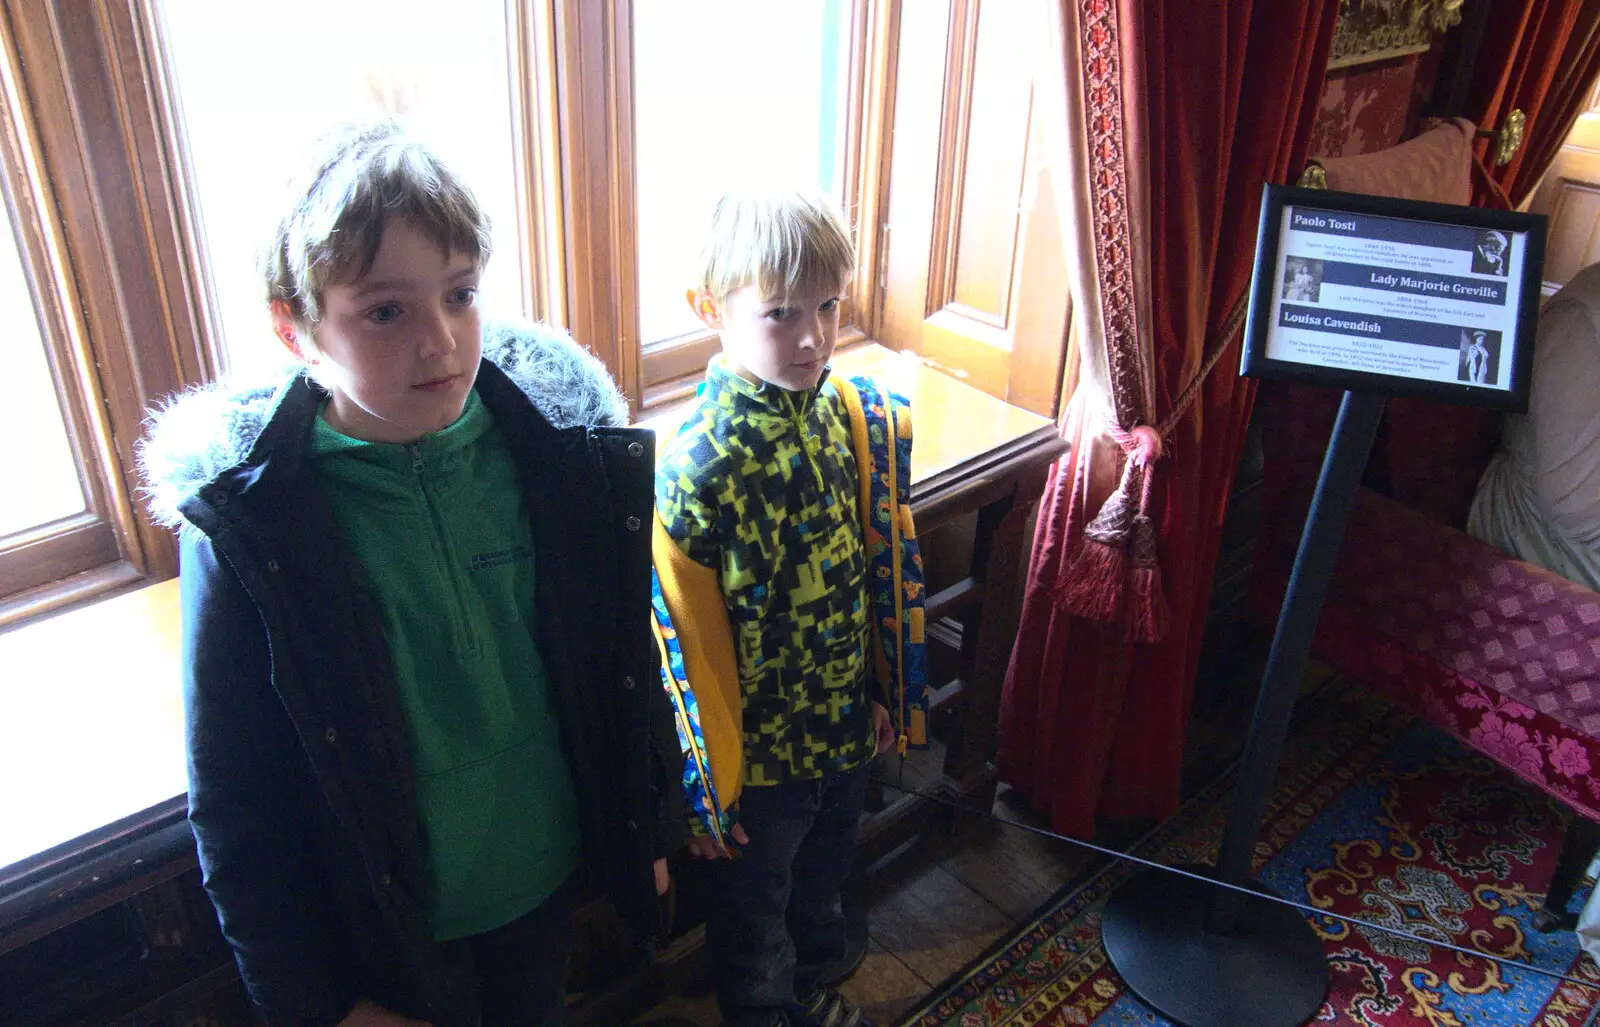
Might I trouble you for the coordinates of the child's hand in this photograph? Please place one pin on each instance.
(366, 1013)
(883, 727)
(663, 879)
(703, 846)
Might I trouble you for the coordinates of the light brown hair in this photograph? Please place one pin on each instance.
(363, 175)
(781, 241)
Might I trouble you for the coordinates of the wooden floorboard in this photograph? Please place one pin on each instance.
(932, 909)
(1014, 871)
(934, 924)
(682, 1011)
(939, 904)
(885, 988)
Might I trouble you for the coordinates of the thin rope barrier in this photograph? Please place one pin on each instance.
(1592, 985)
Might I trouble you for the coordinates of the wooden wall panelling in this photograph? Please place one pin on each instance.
(1570, 195)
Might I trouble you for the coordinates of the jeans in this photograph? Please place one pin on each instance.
(522, 967)
(775, 923)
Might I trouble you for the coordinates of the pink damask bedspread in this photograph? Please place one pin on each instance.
(1502, 654)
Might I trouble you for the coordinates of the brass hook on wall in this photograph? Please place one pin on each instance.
(1315, 176)
(1508, 140)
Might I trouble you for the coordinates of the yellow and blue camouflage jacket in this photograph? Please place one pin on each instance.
(788, 579)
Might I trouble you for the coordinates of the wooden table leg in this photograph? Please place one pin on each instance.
(997, 561)
(988, 605)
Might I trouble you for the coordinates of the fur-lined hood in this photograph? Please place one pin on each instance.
(196, 435)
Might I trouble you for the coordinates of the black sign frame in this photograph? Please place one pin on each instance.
(1255, 363)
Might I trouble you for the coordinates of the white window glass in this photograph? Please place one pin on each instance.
(726, 91)
(37, 463)
(258, 83)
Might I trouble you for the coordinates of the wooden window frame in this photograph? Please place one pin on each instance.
(593, 46)
(539, 226)
(93, 155)
(90, 188)
(85, 542)
(96, 178)
(537, 151)
(1015, 350)
(591, 49)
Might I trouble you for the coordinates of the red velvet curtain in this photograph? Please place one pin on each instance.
(1539, 56)
(1092, 724)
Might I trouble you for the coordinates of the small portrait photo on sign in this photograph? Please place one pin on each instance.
(1490, 255)
(1302, 279)
(1480, 357)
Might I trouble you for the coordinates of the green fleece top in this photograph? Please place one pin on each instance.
(441, 530)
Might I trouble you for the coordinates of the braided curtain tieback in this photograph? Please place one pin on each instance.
(1115, 574)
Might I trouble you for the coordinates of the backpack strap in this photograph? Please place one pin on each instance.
(880, 424)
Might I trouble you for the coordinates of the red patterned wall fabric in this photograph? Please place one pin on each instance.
(1365, 108)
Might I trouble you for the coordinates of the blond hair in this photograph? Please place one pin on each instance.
(363, 175)
(780, 241)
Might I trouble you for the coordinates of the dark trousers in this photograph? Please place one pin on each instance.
(775, 923)
(521, 968)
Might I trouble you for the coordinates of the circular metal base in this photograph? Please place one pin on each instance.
(1270, 972)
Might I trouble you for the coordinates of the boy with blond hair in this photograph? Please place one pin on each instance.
(788, 607)
(415, 589)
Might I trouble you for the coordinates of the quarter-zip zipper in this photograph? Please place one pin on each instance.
(467, 641)
(808, 445)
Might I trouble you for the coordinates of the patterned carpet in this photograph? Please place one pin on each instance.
(1375, 816)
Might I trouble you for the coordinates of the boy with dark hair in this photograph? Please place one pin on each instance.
(419, 685)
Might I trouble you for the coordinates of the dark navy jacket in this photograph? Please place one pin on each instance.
(301, 784)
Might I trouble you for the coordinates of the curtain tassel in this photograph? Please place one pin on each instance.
(1092, 587)
(1148, 613)
(1116, 573)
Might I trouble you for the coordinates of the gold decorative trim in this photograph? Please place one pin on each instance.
(1101, 36)
(1315, 176)
(1508, 140)
(1377, 30)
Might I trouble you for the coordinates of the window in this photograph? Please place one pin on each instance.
(49, 529)
(753, 91)
(68, 528)
(975, 280)
(42, 476)
(255, 88)
(726, 92)
(595, 134)
(591, 132)
(170, 126)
